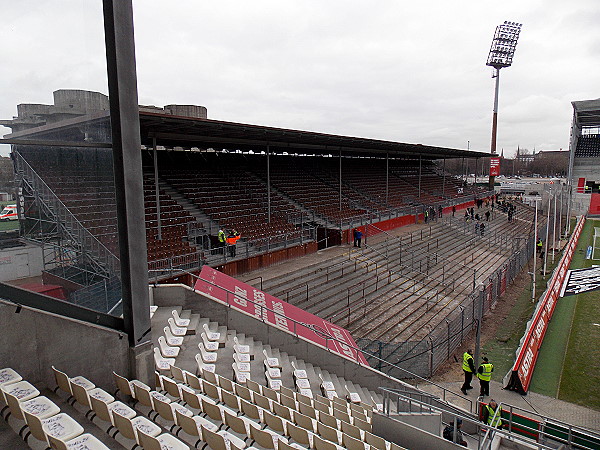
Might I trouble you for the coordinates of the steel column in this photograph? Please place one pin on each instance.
(127, 161)
(157, 190)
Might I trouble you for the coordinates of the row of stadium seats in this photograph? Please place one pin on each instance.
(588, 146)
(297, 417)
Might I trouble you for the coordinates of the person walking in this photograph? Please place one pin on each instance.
(357, 237)
(539, 245)
(468, 367)
(484, 373)
(492, 414)
(487, 215)
(453, 210)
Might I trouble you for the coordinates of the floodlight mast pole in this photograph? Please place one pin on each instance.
(501, 55)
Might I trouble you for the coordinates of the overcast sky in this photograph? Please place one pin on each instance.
(403, 71)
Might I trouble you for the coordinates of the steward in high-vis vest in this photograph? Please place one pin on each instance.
(221, 237)
(468, 367)
(484, 373)
(231, 241)
(492, 414)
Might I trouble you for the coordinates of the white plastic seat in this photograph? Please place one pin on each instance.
(243, 366)
(126, 386)
(207, 357)
(240, 348)
(85, 441)
(129, 427)
(306, 392)
(61, 427)
(273, 372)
(302, 383)
(40, 406)
(183, 323)
(166, 350)
(242, 357)
(352, 396)
(273, 383)
(83, 382)
(8, 376)
(22, 390)
(221, 440)
(269, 361)
(211, 335)
(240, 376)
(177, 331)
(298, 373)
(202, 366)
(162, 363)
(172, 340)
(163, 441)
(211, 346)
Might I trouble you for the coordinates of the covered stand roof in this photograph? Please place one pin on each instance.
(190, 132)
(587, 113)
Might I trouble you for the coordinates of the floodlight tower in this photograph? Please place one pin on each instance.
(501, 55)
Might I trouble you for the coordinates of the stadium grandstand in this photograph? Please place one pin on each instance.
(133, 317)
(584, 162)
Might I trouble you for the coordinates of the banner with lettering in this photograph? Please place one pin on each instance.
(520, 375)
(267, 308)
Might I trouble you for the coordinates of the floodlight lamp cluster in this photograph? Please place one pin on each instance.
(504, 44)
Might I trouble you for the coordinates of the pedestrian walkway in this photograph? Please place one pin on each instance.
(540, 404)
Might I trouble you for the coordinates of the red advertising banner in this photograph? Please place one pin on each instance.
(243, 297)
(494, 167)
(522, 370)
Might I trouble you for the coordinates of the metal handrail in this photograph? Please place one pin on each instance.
(67, 216)
(426, 402)
(445, 391)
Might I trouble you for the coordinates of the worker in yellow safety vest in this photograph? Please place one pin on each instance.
(484, 373)
(492, 414)
(221, 237)
(468, 367)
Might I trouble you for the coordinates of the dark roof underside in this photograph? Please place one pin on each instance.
(172, 131)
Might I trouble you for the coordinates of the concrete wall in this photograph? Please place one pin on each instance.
(407, 435)
(20, 262)
(181, 295)
(33, 341)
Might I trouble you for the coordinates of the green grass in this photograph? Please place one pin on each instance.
(580, 382)
(501, 349)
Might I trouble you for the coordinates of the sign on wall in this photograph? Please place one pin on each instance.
(494, 167)
(267, 308)
(581, 280)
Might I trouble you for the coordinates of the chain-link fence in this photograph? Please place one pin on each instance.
(424, 356)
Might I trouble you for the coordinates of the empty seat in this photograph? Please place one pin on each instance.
(183, 323)
(161, 363)
(166, 350)
(176, 330)
(172, 340)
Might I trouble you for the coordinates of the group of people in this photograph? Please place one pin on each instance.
(229, 240)
(484, 373)
(491, 412)
(430, 213)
